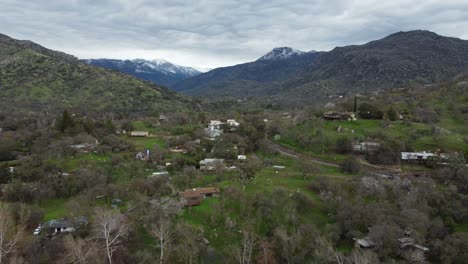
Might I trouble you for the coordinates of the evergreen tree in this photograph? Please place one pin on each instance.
(65, 122)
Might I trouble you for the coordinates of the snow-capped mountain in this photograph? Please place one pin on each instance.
(158, 71)
(281, 53)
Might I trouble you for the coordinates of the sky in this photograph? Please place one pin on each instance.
(215, 33)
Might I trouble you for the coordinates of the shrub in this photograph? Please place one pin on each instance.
(350, 165)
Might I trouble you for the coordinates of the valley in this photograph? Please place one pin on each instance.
(364, 169)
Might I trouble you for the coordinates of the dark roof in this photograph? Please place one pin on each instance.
(61, 223)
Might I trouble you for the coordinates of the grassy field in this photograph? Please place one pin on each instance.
(266, 181)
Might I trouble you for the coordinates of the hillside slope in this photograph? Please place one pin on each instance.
(33, 79)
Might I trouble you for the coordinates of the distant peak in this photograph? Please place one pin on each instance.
(281, 53)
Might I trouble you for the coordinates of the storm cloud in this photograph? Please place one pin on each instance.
(212, 33)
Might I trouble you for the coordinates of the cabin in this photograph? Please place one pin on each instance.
(366, 146)
(210, 164)
(191, 197)
(346, 116)
(195, 196)
(54, 226)
(139, 133)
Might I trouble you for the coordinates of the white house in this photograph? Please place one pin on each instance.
(416, 155)
(241, 157)
(214, 129)
(210, 164)
(366, 146)
(232, 123)
(139, 133)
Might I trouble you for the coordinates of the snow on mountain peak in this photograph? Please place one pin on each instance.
(281, 53)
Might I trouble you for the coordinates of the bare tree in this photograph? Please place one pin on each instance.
(110, 228)
(187, 245)
(163, 233)
(244, 253)
(79, 250)
(9, 233)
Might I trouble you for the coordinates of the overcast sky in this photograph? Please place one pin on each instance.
(213, 33)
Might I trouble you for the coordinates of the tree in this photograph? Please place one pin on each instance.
(187, 245)
(9, 233)
(248, 168)
(79, 251)
(244, 253)
(392, 114)
(350, 165)
(110, 228)
(369, 111)
(344, 145)
(307, 168)
(64, 122)
(163, 233)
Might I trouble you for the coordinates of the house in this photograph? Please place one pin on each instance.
(195, 196)
(416, 156)
(232, 123)
(54, 226)
(177, 149)
(210, 164)
(241, 157)
(332, 115)
(364, 242)
(286, 115)
(162, 117)
(209, 192)
(366, 146)
(139, 133)
(159, 173)
(84, 148)
(191, 197)
(214, 129)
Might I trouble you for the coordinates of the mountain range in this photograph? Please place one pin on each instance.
(34, 79)
(158, 71)
(418, 57)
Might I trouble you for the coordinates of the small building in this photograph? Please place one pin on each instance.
(366, 146)
(139, 133)
(420, 157)
(162, 117)
(232, 123)
(195, 196)
(191, 197)
(241, 157)
(159, 173)
(333, 115)
(177, 149)
(286, 115)
(54, 226)
(210, 164)
(214, 129)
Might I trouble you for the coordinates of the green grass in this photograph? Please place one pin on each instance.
(53, 209)
(75, 162)
(146, 142)
(462, 228)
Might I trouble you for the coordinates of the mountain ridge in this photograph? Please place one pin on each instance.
(158, 71)
(419, 56)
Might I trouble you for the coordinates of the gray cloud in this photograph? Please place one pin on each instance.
(211, 33)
